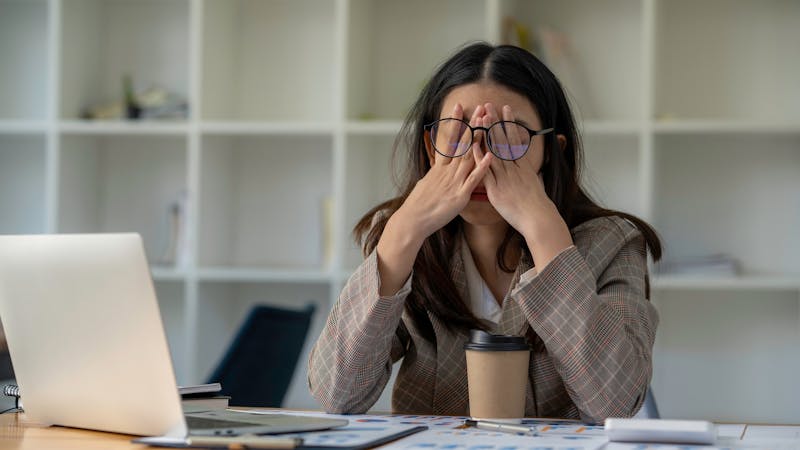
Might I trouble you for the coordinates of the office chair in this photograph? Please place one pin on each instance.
(649, 407)
(259, 364)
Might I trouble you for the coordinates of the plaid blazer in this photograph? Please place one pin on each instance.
(588, 311)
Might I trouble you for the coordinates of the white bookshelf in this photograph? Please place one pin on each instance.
(293, 109)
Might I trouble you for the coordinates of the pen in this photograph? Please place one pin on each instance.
(244, 442)
(499, 426)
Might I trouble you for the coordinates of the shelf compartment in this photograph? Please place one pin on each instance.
(22, 184)
(251, 72)
(727, 356)
(102, 41)
(24, 51)
(171, 302)
(389, 63)
(730, 194)
(368, 182)
(737, 69)
(123, 184)
(612, 174)
(602, 66)
(258, 190)
(223, 307)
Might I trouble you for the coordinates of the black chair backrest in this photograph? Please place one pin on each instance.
(260, 362)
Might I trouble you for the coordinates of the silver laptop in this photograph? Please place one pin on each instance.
(87, 343)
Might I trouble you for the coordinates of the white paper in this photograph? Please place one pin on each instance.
(754, 432)
(732, 431)
(449, 433)
(473, 439)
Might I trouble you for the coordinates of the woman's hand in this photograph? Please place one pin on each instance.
(435, 200)
(445, 190)
(516, 190)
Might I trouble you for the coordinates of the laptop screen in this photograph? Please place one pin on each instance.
(85, 334)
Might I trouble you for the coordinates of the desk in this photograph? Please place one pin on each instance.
(16, 434)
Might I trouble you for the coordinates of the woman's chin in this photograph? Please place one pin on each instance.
(481, 213)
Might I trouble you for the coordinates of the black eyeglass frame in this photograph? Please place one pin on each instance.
(531, 134)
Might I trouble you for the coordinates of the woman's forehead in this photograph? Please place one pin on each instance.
(473, 94)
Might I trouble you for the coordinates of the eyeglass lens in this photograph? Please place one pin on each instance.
(507, 140)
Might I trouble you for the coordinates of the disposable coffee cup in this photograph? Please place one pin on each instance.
(497, 375)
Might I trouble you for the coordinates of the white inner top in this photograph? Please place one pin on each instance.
(481, 300)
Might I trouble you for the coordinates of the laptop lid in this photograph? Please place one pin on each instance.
(86, 339)
(85, 335)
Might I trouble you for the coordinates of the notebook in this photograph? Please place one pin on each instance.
(88, 347)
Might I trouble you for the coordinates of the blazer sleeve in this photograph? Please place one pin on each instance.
(352, 359)
(599, 330)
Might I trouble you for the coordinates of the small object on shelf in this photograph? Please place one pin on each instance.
(515, 33)
(158, 103)
(153, 103)
(132, 108)
(327, 207)
(174, 248)
(554, 49)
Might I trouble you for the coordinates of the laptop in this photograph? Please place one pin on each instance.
(88, 346)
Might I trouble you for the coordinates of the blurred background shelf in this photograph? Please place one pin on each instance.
(264, 275)
(126, 127)
(249, 194)
(721, 126)
(167, 273)
(23, 127)
(299, 128)
(736, 283)
(377, 127)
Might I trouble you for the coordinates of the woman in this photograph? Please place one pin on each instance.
(492, 231)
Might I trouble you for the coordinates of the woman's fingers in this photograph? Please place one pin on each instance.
(516, 140)
(480, 172)
(498, 165)
(497, 134)
(447, 136)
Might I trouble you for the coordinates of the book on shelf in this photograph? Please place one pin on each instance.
(557, 51)
(719, 265)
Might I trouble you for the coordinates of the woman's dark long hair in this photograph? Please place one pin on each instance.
(433, 290)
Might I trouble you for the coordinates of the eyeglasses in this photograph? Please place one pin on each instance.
(507, 140)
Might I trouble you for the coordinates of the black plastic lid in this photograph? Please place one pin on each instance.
(482, 341)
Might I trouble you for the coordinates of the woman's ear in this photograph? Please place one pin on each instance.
(426, 137)
(562, 144)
